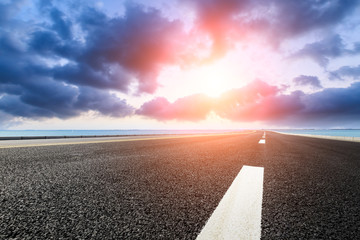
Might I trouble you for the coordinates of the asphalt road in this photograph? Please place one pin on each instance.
(311, 188)
(168, 188)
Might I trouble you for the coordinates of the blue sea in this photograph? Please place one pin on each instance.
(325, 132)
(27, 133)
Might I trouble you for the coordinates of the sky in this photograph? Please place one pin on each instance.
(179, 64)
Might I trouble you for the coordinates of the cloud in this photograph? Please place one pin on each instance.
(191, 108)
(107, 104)
(297, 17)
(304, 80)
(48, 98)
(61, 24)
(7, 10)
(140, 43)
(229, 21)
(7, 121)
(28, 89)
(332, 104)
(70, 60)
(322, 51)
(345, 71)
(67, 65)
(260, 101)
(257, 101)
(217, 19)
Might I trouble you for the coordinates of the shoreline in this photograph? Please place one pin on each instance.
(70, 136)
(338, 138)
(6, 138)
(37, 142)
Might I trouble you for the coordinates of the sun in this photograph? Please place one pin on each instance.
(214, 79)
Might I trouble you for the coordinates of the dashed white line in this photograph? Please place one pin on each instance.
(262, 141)
(238, 215)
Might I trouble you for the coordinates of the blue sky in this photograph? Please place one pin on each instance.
(179, 64)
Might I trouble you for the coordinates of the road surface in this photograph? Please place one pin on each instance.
(168, 188)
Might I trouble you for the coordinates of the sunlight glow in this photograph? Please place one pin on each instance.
(234, 70)
(213, 79)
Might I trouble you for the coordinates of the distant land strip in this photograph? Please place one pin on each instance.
(112, 139)
(339, 138)
(5, 138)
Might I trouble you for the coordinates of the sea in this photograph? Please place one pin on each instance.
(323, 132)
(32, 133)
(29, 133)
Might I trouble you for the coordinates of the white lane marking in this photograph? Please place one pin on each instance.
(238, 215)
(264, 135)
(262, 141)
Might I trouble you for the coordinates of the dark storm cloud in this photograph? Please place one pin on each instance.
(108, 77)
(53, 73)
(304, 80)
(332, 104)
(47, 98)
(28, 89)
(115, 50)
(61, 24)
(295, 17)
(326, 49)
(141, 42)
(107, 104)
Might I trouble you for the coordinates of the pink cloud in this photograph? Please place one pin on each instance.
(259, 101)
(256, 101)
(191, 108)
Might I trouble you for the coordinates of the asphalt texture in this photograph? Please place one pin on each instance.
(168, 188)
(311, 188)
